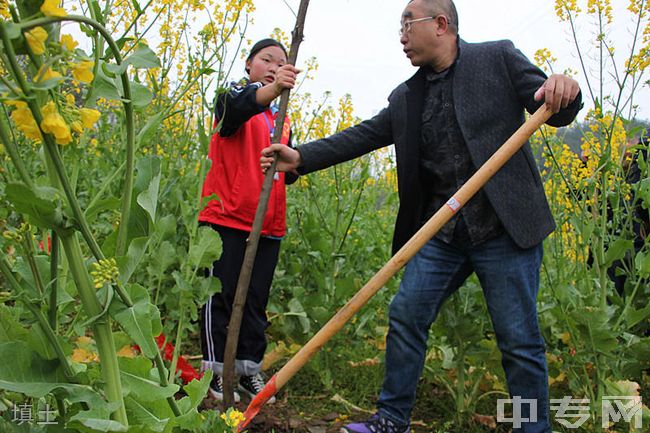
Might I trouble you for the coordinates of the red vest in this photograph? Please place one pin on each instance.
(236, 178)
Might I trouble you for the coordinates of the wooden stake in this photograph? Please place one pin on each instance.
(243, 282)
(428, 231)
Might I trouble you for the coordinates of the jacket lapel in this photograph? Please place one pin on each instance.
(414, 103)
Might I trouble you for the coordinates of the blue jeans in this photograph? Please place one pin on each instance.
(509, 277)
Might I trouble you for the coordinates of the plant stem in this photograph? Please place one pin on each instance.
(129, 126)
(582, 63)
(101, 326)
(177, 343)
(105, 186)
(10, 146)
(29, 255)
(160, 365)
(54, 280)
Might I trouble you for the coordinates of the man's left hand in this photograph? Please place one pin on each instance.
(558, 92)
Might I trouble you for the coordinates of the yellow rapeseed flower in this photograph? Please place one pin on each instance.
(22, 117)
(4, 10)
(46, 73)
(233, 417)
(68, 42)
(126, 352)
(89, 117)
(104, 271)
(636, 6)
(600, 7)
(544, 58)
(84, 356)
(50, 8)
(565, 9)
(77, 127)
(36, 38)
(82, 71)
(53, 123)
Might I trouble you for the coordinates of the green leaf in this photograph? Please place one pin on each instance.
(10, 328)
(40, 342)
(141, 96)
(165, 257)
(141, 321)
(129, 263)
(104, 87)
(208, 249)
(47, 84)
(12, 30)
(99, 14)
(112, 71)
(27, 282)
(143, 58)
(122, 41)
(150, 128)
(25, 272)
(103, 205)
(617, 250)
(93, 421)
(41, 204)
(642, 262)
(23, 371)
(643, 192)
(594, 327)
(139, 415)
(149, 183)
(139, 220)
(633, 316)
(87, 30)
(136, 6)
(298, 310)
(197, 389)
(165, 227)
(189, 421)
(134, 373)
(204, 140)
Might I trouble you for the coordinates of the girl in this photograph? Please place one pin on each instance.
(244, 119)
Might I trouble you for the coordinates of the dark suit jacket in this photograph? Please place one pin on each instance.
(493, 83)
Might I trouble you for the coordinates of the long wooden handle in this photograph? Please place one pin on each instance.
(241, 292)
(428, 231)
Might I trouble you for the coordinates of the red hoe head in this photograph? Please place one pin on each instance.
(256, 404)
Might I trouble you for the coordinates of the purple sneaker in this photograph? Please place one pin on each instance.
(376, 424)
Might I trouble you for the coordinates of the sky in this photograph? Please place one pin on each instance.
(357, 45)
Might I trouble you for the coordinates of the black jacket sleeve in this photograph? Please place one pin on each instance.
(235, 105)
(290, 177)
(348, 144)
(527, 78)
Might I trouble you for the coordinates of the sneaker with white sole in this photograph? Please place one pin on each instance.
(376, 424)
(216, 389)
(252, 385)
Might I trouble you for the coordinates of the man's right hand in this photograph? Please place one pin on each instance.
(288, 159)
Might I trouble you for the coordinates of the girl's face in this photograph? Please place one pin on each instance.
(263, 66)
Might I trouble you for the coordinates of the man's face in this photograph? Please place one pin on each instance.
(418, 38)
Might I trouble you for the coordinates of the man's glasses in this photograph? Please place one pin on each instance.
(406, 25)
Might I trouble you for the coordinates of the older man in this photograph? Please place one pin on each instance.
(464, 101)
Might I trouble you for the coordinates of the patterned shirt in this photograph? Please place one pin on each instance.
(446, 165)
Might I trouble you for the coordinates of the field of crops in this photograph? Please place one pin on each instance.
(102, 157)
